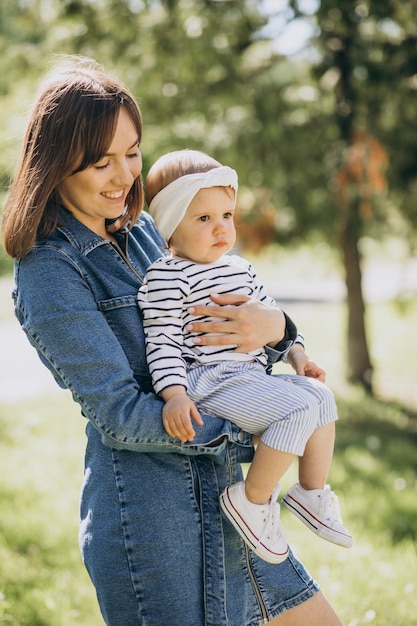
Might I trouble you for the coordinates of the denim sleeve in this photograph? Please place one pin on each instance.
(280, 351)
(59, 314)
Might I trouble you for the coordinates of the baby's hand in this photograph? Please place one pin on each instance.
(304, 366)
(176, 416)
(313, 370)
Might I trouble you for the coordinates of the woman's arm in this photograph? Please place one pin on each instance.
(59, 313)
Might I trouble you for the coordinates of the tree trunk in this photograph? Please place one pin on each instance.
(359, 365)
(360, 369)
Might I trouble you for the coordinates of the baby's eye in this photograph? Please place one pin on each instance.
(228, 215)
(204, 218)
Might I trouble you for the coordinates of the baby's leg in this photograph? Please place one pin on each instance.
(285, 412)
(311, 500)
(314, 464)
(265, 472)
(315, 461)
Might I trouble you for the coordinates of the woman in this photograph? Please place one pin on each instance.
(73, 221)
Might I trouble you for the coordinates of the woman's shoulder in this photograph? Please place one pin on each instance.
(146, 224)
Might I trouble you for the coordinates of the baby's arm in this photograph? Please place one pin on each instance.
(177, 413)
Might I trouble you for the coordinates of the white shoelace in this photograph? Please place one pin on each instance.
(330, 504)
(273, 527)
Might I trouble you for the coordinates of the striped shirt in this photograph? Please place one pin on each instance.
(171, 286)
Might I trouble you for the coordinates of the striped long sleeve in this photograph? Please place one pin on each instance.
(171, 286)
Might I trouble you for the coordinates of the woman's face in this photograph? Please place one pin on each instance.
(99, 192)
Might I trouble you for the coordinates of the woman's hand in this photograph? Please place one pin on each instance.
(246, 322)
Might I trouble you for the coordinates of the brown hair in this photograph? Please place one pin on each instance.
(173, 165)
(71, 127)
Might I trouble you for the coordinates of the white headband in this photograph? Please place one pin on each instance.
(168, 207)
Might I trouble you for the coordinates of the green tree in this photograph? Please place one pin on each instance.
(365, 77)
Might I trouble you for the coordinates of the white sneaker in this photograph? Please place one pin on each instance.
(259, 525)
(319, 510)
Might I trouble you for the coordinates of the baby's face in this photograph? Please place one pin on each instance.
(207, 230)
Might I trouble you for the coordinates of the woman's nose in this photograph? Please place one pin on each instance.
(123, 174)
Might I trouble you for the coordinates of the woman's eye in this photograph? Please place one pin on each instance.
(103, 166)
(133, 155)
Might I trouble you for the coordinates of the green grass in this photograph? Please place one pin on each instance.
(42, 579)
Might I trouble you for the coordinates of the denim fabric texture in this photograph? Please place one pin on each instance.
(152, 536)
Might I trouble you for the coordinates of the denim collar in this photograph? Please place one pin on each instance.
(79, 235)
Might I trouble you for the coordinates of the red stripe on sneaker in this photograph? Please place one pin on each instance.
(289, 496)
(252, 536)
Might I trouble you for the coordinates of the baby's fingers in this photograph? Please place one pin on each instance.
(179, 428)
(196, 416)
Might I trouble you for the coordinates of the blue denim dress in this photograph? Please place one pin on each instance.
(152, 535)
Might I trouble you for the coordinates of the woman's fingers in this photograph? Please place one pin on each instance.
(248, 325)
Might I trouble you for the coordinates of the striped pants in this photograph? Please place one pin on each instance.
(284, 409)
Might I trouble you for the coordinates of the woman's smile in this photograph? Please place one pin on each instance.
(113, 195)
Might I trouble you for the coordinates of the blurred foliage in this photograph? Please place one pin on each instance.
(365, 72)
(206, 75)
(6, 264)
